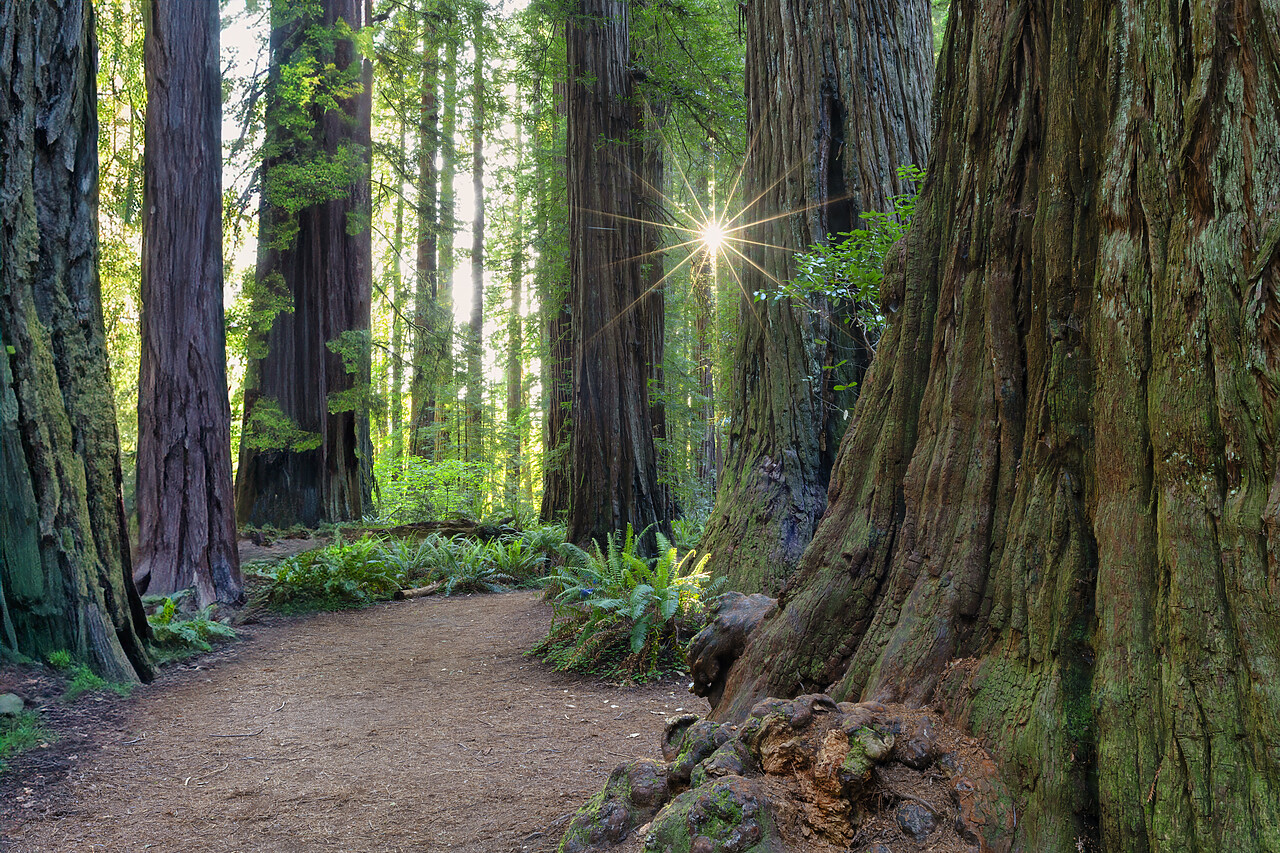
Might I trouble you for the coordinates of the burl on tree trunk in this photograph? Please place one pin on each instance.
(1055, 512)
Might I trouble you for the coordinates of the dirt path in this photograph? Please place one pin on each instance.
(410, 726)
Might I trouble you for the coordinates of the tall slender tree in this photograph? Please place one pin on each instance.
(823, 149)
(186, 514)
(613, 464)
(305, 455)
(515, 335)
(448, 225)
(475, 326)
(1055, 514)
(428, 334)
(65, 573)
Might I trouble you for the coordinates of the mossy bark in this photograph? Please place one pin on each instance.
(837, 98)
(65, 575)
(310, 370)
(1055, 509)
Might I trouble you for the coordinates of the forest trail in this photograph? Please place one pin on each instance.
(414, 725)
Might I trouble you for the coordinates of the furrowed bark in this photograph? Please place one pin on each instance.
(65, 574)
(823, 149)
(613, 465)
(326, 272)
(1054, 512)
(186, 512)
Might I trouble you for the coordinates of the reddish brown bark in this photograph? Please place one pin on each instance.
(186, 512)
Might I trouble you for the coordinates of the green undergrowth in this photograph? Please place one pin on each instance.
(357, 573)
(20, 733)
(621, 616)
(178, 635)
(81, 679)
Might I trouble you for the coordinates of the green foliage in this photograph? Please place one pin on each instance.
(178, 635)
(269, 428)
(20, 733)
(848, 270)
(340, 576)
(620, 615)
(415, 489)
(255, 309)
(81, 679)
(355, 574)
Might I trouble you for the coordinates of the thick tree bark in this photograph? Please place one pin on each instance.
(1055, 511)
(186, 511)
(553, 297)
(324, 473)
(65, 574)
(823, 149)
(613, 465)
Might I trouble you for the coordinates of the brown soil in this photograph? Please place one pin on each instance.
(416, 725)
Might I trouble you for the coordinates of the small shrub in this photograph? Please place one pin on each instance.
(81, 679)
(179, 636)
(20, 733)
(623, 616)
(341, 576)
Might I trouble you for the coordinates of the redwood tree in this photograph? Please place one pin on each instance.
(186, 515)
(823, 149)
(65, 574)
(1055, 512)
(305, 455)
(613, 466)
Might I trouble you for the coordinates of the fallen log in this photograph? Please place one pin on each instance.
(418, 591)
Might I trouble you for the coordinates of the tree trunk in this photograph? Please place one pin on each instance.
(653, 304)
(475, 343)
(396, 397)
(306, 454)
(448, 227)
(186, 511)
(613, 465)
(426, 315)
(65, 573)
(553, 297)
(859, 73)
(515, 344)
(1055, 511)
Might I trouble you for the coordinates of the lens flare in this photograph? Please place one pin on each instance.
(712, 236)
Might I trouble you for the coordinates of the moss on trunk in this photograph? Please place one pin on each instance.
(1054, 511)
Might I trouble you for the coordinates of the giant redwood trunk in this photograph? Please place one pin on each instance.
(186, 514)
(306, 455)
(1055, 512)
(613, 465)
(65, 574)
(824, 147)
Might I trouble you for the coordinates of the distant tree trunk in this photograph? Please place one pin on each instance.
(448, 226)
(515, 344)
(396, 396)
(652, 176)
(1055, 513)
(65, 573)
(306, 454)
(553, 296)
(426, 335)
(702, 283)
(475, 343)
(824, 146)
(186, 511)
(613, 465)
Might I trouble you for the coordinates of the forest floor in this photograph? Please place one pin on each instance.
(415, 725)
